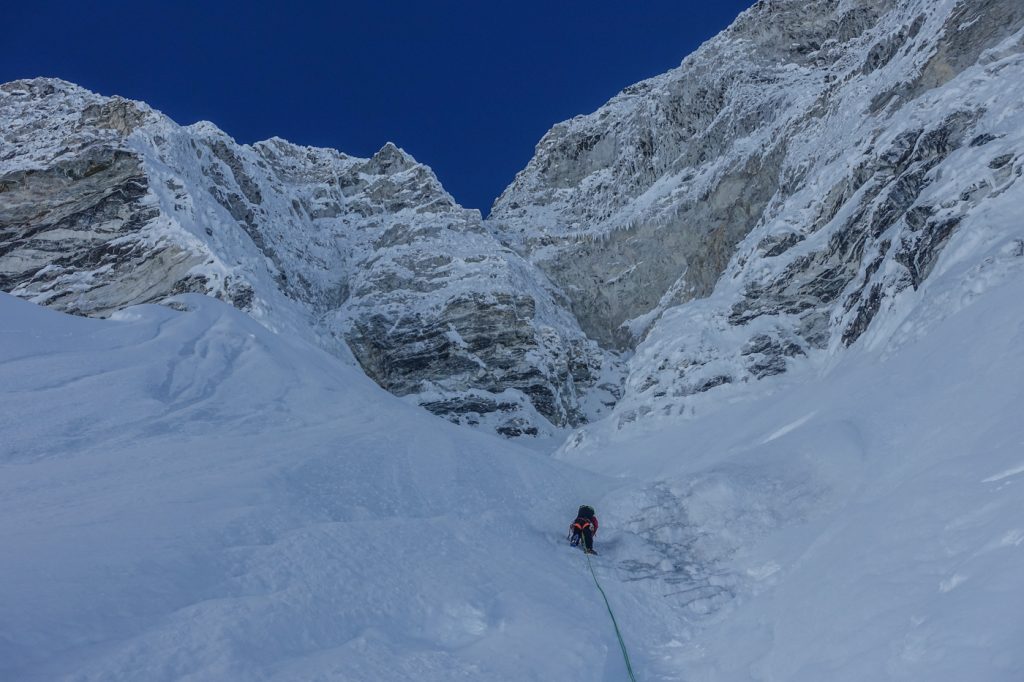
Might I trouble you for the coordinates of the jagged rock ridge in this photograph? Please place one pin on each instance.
(791, 183)
(105, 203)
(640, 206)
(788, 186)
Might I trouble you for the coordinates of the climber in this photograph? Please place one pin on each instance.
(585, 527)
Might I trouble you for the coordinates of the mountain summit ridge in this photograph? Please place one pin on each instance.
(788, 189)
(794, 173)
(108, 203)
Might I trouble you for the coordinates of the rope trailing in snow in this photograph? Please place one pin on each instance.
(618, 634)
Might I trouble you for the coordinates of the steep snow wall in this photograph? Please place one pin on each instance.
(858, 522)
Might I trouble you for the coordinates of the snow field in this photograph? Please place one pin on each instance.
(866, 525)
(187, 496)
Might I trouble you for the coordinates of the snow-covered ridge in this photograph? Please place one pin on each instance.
(107, 203)
(791, 180)
(640, 206)
(791, 187)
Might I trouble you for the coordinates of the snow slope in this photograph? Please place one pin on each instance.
(186, 495)
(860, 518)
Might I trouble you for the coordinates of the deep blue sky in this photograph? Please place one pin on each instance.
(467, 87)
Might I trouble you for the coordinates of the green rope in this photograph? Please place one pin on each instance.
(618, 634)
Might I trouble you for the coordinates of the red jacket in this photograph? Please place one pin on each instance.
(581, 521)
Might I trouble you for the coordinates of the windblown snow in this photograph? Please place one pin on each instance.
(187, 495)
(209, 500)
(762, 312)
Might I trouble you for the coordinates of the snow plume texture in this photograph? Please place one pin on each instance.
(762, 312)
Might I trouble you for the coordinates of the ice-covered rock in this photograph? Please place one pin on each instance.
(106, 203)
(641, 205)
(791, 183)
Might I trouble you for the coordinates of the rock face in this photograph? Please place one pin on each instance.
(786, 192)
(640, 206)
(792, 183)
(75, 206)
(105, 203)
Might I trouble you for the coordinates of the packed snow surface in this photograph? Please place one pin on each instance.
(187, 495)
